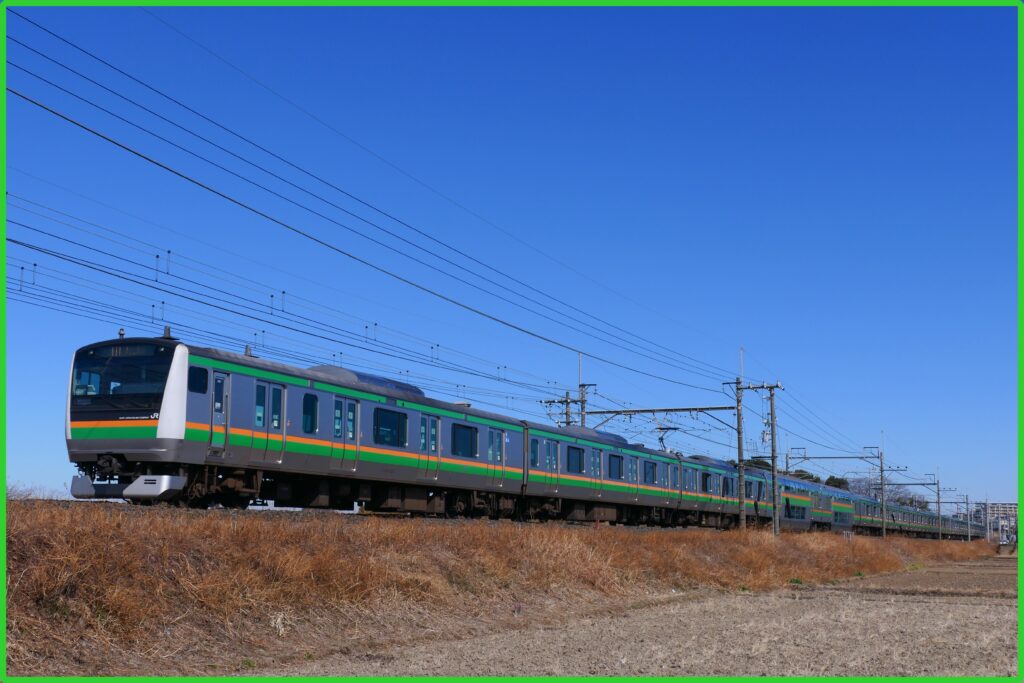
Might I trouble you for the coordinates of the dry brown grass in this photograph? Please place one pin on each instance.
(96, 588)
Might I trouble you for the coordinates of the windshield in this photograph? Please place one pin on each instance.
(123, 376)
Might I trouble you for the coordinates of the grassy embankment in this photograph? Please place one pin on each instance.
(99, 588)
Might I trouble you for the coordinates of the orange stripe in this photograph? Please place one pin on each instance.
(198, 425)
(115, 423)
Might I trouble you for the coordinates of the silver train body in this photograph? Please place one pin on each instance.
(154, 419)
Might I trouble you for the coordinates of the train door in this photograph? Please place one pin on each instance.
(496, 456)
(431, 439)
(274, 418)
(595, 471)
(345, 447)
(219, 414)
(634, 476)
(551, 465)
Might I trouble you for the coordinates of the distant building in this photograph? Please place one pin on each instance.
(1000, 515)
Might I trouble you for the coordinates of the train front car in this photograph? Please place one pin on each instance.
(125, 419)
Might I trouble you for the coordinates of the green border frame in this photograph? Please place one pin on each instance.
(1019, 4)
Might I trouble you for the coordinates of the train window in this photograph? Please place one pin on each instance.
(390, 427)
(614, 466)
(433, 434)
(595, 464)
(423, 433)
(534, 453)
(350, 421)
(275, 407)
(574, 459)
(261, 405)
(309, 406)
(632, 470)
(464, 441)
(339, 417)
(198, 380)
(675, 476)
(705, 482)
(650, 472)
(663, 474)
(495, 445)
(218, 395)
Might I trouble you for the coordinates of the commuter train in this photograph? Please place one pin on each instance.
(154, 419)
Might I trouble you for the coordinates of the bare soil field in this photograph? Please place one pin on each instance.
(106, 589)
(949, 620)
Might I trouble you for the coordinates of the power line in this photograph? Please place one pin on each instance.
(490, 267)
(332, 247)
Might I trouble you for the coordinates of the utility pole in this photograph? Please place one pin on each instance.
(881, 488)
(739, 451)
(568, 410)
(988, 523)
(776, 520)
(970, 518)
(582, 400)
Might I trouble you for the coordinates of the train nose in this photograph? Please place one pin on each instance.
(146, 487)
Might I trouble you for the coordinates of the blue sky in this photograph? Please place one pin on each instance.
(831, 189)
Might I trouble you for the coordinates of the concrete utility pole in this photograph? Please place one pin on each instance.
(881, 488)
(739, 452)
(776, 520)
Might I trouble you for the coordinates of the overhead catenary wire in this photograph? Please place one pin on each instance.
(222, 271)
(689, 360)
(309, 236)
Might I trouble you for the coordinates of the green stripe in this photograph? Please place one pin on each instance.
(113, 432)
(246, 370)
(493, 423)
(345, 391)
(431, 410)
(552, 435)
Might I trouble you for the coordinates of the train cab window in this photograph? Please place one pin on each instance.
(650, 472)
(339, 417)
(198, 379)
(705, 482)
(390, 428)
(614, 466)
(464, 441)
(423, 433)
(574, 459)
(534, 452)
(675, 476)
(218, 395)
(350, 421)
(261, 405)
(495, 445)
(309, 406)
(275, 407)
